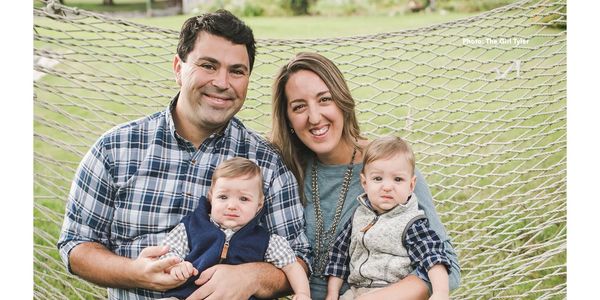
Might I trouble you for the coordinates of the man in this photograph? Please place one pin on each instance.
(140, 179)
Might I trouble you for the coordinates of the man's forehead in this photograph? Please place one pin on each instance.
(218, 49)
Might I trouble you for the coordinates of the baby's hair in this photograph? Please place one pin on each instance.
(239, 167)
(387, 147)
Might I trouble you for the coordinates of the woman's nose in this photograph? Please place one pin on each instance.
(314, 115)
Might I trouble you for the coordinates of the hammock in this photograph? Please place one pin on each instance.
(482, 100)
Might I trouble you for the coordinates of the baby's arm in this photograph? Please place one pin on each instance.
(334, 284)
(297, 277)
(178, 246)
(439, 282)
(183, 270)
(426, 252)
(338, 262)
(281, 255)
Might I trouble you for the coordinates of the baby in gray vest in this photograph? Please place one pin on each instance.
(389, 236)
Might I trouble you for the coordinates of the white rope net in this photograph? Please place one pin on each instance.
(482, 100)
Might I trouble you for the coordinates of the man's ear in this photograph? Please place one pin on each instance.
(413, 183)
(177, 65)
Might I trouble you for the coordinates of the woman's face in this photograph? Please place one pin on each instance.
(314, 116)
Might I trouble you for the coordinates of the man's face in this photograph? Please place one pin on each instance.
(213, 80)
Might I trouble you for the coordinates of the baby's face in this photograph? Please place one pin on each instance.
(235, 201)
(388, 182)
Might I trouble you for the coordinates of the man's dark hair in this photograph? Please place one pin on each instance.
(220, 23)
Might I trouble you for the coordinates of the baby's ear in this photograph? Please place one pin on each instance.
(413, 183)
(363, 180)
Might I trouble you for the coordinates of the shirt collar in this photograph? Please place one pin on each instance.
(169, 116)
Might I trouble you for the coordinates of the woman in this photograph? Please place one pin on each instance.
(316, 129)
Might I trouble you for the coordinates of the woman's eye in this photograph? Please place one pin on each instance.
(298, 107)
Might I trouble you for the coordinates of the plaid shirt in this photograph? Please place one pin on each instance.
(425, 249)
(279, 253)
(140, 179)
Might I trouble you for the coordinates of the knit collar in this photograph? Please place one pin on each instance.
(363, 199)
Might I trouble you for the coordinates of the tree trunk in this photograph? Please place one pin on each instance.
(107, 2)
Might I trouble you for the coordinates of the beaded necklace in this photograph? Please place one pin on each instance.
(321, 237)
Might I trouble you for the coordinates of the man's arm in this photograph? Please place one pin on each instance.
(260, 279)
(86, 231)
(94, 263)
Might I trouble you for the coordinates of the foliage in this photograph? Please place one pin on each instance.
(471, 5)
(248, 8)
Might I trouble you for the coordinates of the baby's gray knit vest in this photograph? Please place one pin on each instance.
(377, 255)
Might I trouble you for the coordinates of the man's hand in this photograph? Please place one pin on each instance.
(225, 282)
(151, 272)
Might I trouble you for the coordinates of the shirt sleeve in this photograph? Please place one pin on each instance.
(426, 204)
(279, 253)
(425, 248)
(339, 258)
(177, 240)
(90, 204)
(285, 214)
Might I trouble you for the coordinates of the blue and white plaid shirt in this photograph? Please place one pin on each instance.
(425, 249)
(141, 178)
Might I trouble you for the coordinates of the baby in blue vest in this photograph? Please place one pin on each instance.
(388, 236)
(224, 229)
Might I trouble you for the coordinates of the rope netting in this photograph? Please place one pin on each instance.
(482, 100)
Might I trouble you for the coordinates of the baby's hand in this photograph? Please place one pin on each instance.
(183, 270)
(301, 297)
(439, 296)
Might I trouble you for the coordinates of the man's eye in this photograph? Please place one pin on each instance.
(238, 72)
(208, 67)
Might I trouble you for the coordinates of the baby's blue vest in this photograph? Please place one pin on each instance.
(206, 242)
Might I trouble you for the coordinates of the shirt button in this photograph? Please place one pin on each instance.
(193, 161)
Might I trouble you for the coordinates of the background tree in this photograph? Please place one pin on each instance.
(300, 7)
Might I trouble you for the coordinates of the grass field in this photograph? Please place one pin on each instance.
(493, 149)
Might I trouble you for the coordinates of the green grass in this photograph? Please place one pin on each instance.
(495, 165)
(312, 27)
